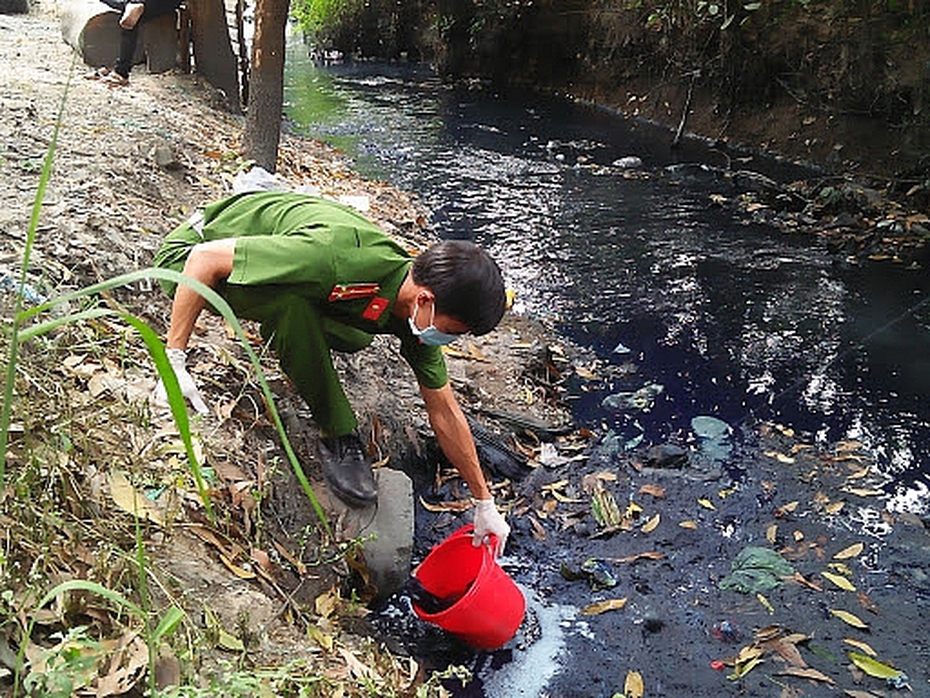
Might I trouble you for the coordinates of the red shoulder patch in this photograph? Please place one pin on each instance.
(375, 309)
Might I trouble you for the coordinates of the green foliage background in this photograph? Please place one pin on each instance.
(865, 57)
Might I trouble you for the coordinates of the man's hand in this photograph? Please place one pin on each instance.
(489, 522)
(178, 360)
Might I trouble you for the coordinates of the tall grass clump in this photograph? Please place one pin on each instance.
(51, 530)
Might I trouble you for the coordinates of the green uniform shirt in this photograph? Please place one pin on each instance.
(318, 250)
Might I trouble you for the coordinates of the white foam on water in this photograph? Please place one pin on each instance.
(534, 665)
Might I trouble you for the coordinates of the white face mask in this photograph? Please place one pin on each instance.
(429, 335)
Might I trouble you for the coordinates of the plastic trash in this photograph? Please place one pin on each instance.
(256, 179)
(725, 631)
(756, 569)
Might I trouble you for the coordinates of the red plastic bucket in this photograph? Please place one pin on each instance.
(489, 606)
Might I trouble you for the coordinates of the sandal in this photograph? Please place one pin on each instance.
(97, 74)
(114, 79)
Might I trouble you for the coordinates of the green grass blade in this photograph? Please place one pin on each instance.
(175, 400)
(178, 406)
(94, 588)
(7, 409)
(168, 624)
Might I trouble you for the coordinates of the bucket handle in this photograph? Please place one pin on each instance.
(469, 530)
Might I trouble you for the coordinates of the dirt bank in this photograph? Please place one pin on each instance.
(257, 589)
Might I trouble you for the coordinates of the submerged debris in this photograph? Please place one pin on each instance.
(756, 569)
(598, 573)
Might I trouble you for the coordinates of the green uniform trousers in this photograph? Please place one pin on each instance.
(302, 338)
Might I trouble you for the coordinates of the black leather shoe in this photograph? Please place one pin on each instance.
(347, 470)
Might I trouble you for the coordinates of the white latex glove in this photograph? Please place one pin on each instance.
(178, 360)
(488, 521)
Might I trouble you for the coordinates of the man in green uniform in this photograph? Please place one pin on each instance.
(317, 276)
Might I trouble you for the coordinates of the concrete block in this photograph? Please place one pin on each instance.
(390, 525)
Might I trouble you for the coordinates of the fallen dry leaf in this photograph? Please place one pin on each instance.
(235, 569)
(786, 508)
(651, 555)
(839, 580)
(862, 492)
(852, 551)
(595, 609)
(860, 645)
(787, 431)
(127, 498)
(260, 557)
(656, 491)
(808, 673)
(787, 650)
(867, 603)
(769, 632)
(766, 603)
(539, 533)
(801, 579)
(650, 525)
(633, 686)
(127, 665)
(850, 619)
(298, 566)
(454, 507)
(771, 532)
(357, 668)
(846, 446)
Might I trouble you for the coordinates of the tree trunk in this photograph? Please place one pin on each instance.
(266, 87)
(213, 54)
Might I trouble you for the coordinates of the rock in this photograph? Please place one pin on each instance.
(714, 437)
(241, 607)
(164, 157)
(630, 162)
(867, 199)
(653, 624)
(642, 399)
(609, 450)
(710, 428)
(666, 456)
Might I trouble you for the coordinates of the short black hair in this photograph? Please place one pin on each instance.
(467, 283)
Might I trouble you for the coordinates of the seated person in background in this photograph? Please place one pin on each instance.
(132, 14)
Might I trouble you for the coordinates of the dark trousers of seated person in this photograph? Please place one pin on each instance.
(129, 38)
